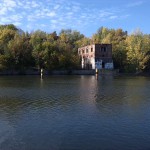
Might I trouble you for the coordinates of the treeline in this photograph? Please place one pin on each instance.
(21, 50)
(131, 53)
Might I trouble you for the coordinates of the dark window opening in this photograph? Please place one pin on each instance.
(103, 49)
(96, 59)
(103, 65)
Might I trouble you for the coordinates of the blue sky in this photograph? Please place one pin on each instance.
(85, 16)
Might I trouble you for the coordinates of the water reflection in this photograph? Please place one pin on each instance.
(74, 112)
(116, 95)
(107, 94)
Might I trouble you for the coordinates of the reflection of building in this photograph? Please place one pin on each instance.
(96, 56)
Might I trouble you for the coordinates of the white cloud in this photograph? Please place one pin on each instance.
(16, 18)
(4, 20)
(51, 14)
(138, 3)
(34, 4)
(54, 21)
(3, 11)
(19, 3)
(9, 3)
(56, 7)
(31, 18)
(75, 8)
(54, 14)
(17, 23)
(105, 14)
(113, 17)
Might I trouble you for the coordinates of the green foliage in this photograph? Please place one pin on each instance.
(138, 46)
(130, 52)
(36, 40)
(19, 50)
(9, 26)
(3, 62)
(120, 56)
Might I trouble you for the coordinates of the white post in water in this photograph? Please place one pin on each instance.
(41, 73)
(96, 71)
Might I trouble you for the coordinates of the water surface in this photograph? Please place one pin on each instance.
(74, 112)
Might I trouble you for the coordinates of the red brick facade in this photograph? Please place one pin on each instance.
(96, 56)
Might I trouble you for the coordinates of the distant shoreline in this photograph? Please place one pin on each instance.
(71, 72)
(52, 72)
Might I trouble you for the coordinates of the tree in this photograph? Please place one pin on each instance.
(20, 51)
(6, 35)
(135, 51)
(120, 56)
(37, 39)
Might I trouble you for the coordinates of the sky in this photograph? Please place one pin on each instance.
(85, 16)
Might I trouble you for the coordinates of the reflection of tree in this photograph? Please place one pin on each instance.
(121, 95)
(36, 95)
(110, 93)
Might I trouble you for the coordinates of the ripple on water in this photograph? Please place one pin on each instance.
(74, 112)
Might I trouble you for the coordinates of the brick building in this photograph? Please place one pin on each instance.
(96, 56)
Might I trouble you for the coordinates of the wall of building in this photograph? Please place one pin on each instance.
(109, 66)
(96, 56)
(98, 64)
(87, 54)
(103, 52)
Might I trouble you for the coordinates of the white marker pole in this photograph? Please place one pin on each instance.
(41, 73)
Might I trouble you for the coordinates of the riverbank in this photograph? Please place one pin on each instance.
(73, 72)
(53, 72)
(146, 74)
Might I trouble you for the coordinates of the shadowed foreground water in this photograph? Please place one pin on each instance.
(74, 112)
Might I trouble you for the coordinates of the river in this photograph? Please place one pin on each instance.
(74, 112)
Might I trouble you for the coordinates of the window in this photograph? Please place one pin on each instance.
(91, 49)
(83, 51)
(103, 49)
